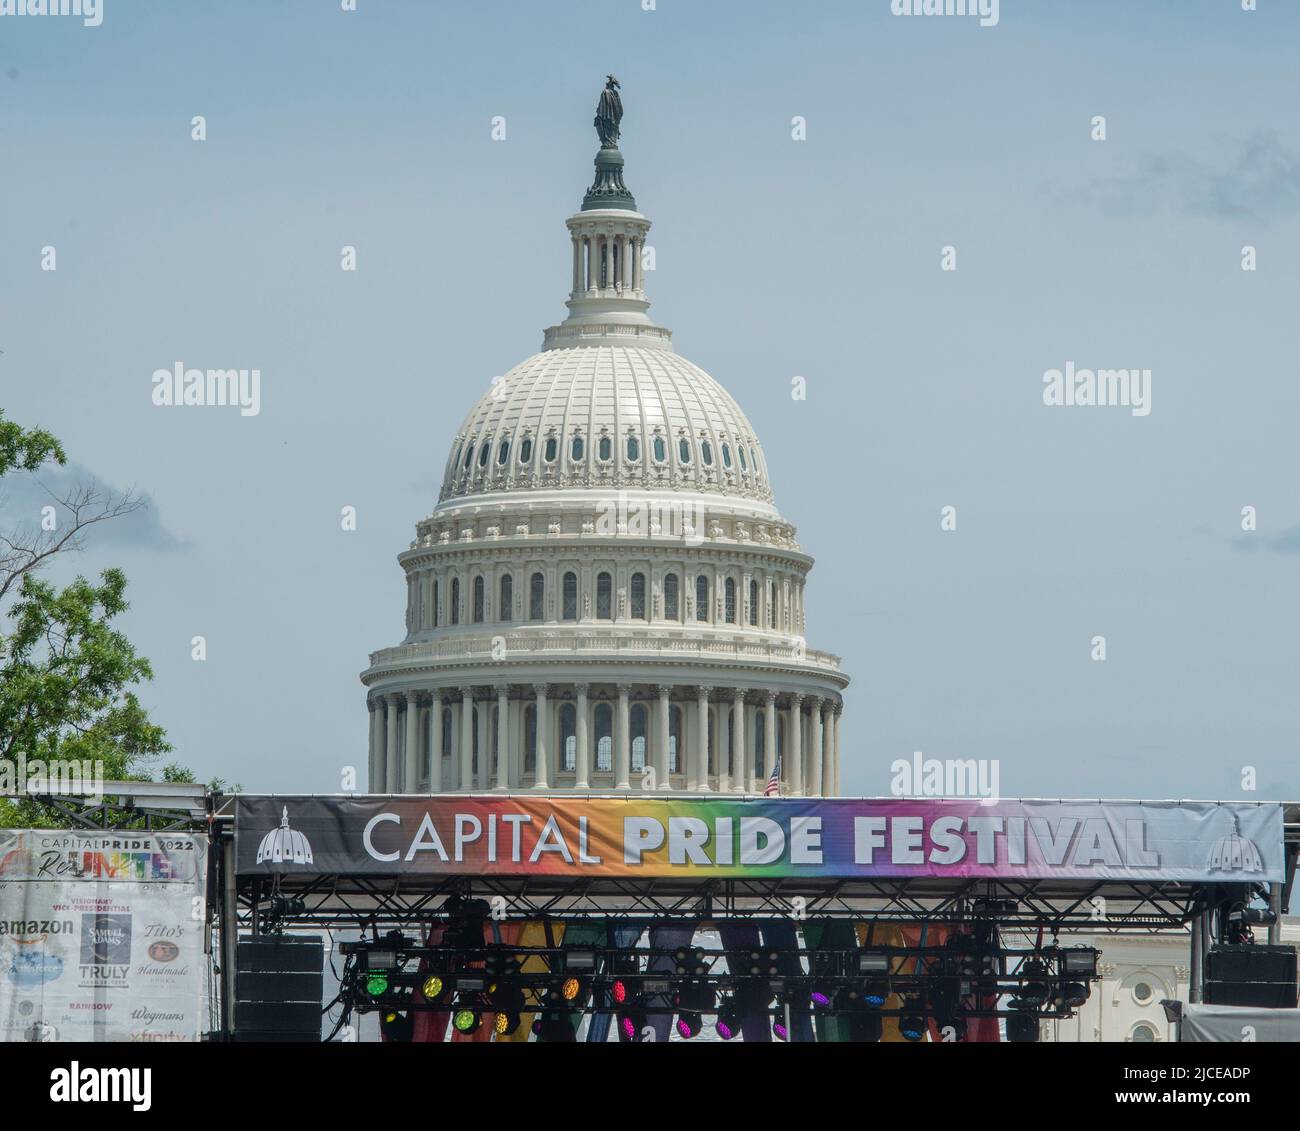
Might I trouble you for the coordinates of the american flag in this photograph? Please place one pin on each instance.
(774, 782)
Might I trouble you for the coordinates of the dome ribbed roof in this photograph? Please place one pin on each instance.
(641, 416)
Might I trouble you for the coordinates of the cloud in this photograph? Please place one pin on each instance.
(1288, 542)
(1259, 181)
(25, 493)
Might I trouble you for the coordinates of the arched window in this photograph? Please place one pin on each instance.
(576, 449)
(503, 452)
(676, 753)
(526, 450)
(604, 736)
(569, 735)
(551, 449)
(478, 599)
(537, 597)
(753, 459)
(753, 602)
(740, 451)
(771, 603)
(435, 602)
(706, 453)
(726, 456)
(684, 450)
(469, 455)
(484, 451)
(604, 596)
(660, 449)
(506, 598)
(702, 598)
(570, 596)
(636, 726)
(530, 739)
(671, 611)
(633, 449)
(605, 449)
(455, 600)
(729, 600)
(636, 595)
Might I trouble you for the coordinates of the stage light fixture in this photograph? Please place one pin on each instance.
(689, 1025)
(506, 1023)
(873, 962)
(580, 960)
(1079, 960)
(728, 1025)
(466, 1020)
(1022, 1027)
(377, 985)
(618, 991)
(432, 987)
(1033, 988)
(396, 1026)
(690, 962)
(779, 1031)
(570, 988)
(912, 1023)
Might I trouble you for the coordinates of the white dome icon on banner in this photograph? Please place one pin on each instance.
(284, 845)
(1234, 853)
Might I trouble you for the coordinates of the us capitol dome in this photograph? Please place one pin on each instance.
(605, 597)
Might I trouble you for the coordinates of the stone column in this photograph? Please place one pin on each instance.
(769, 740)
(435, 742)
(503, 737)
(622, 741)
(839, 713)
(593, 262)
(738, 740)
(582, 762)
(484, 755)
(697, 770)
(662, 778)
(540, 778)
(376, 744)
(577, 264)
(722, 744)
(411, 777)
(815, 747)
(637, 245)
(794, 740)
(828, 749)
(466, 781)
(392, 763)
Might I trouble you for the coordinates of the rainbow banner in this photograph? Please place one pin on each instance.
(701, 838)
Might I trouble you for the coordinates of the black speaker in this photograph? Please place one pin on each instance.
(1251, 975)
(279, 985)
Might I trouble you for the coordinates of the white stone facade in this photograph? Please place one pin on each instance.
(605, 597)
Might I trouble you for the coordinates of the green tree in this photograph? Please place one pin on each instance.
(66, 673)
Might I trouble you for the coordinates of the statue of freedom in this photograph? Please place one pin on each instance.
(608, 114)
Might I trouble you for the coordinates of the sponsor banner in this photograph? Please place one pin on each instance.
(700, 838)
(101, 935)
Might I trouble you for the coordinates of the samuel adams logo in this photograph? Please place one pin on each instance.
(105, 949)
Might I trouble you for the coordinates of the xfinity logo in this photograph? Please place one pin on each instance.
(102, 1085)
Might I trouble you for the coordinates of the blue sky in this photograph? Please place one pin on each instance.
(775, 258)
